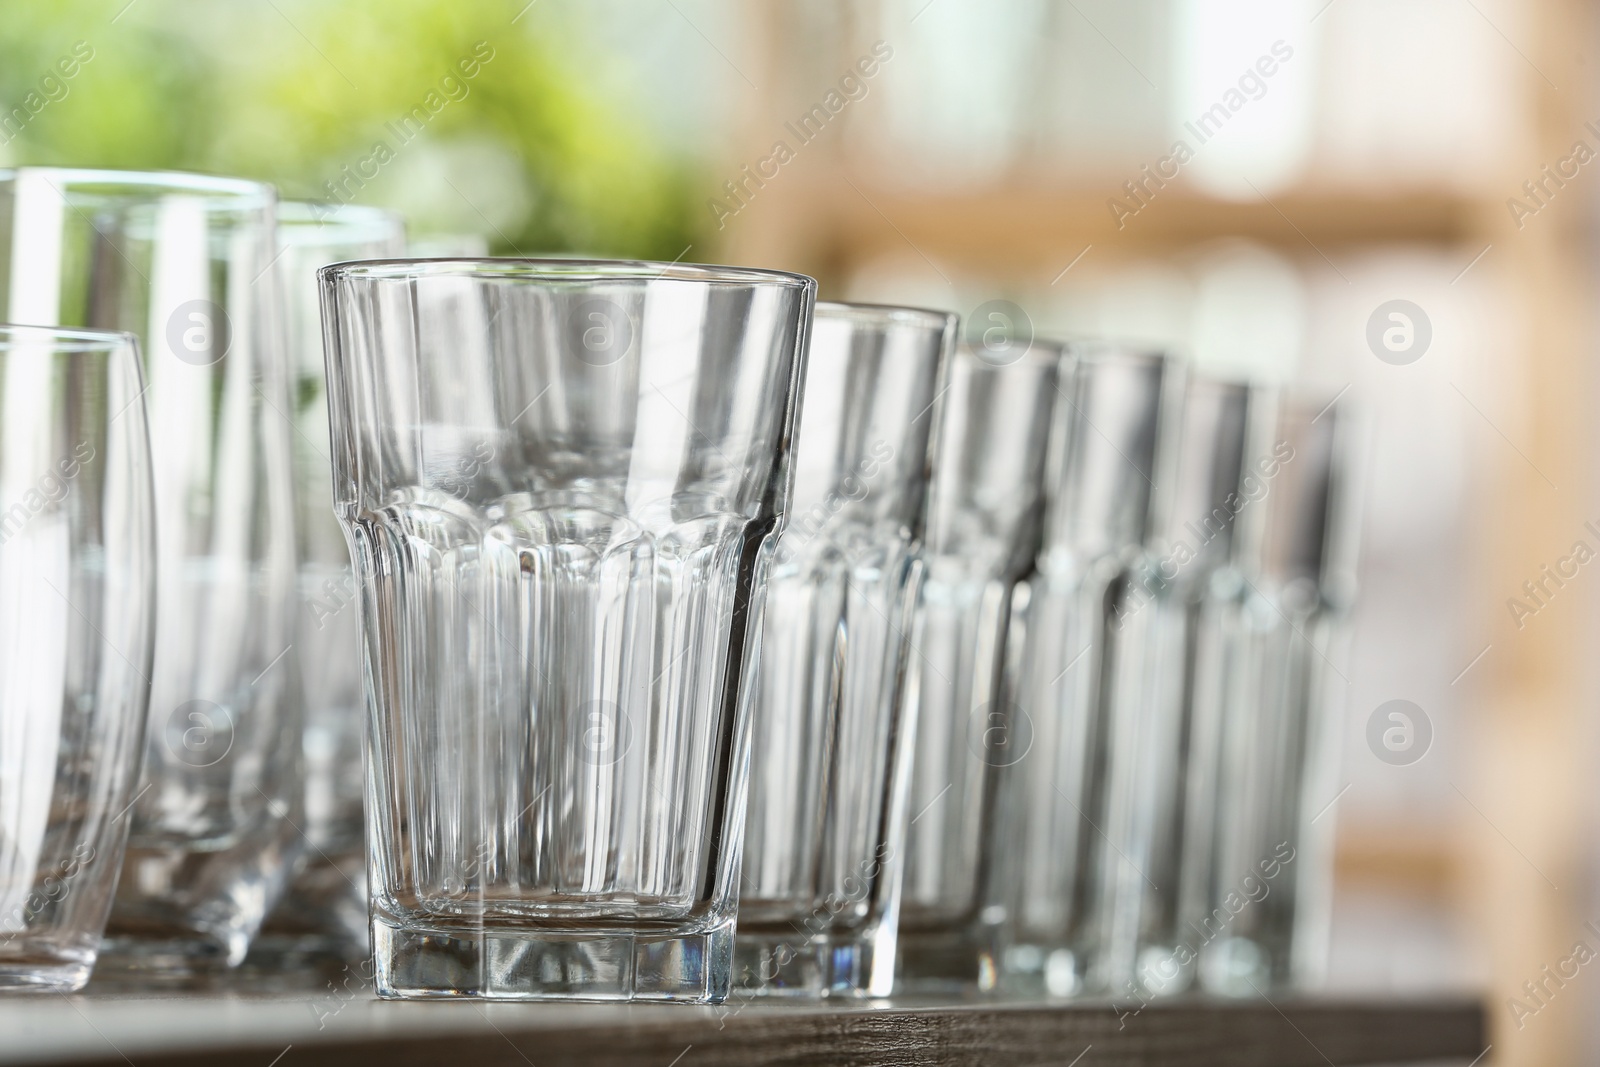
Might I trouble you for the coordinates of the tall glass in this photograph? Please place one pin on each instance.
(1101, 503)
(983, 532)
(77, 626)
(184, 262)
(819, 894)
(324, 912)
(562, 482)
(1269, 886)
(1167, 700)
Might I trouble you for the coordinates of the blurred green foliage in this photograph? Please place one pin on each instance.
(524, 150)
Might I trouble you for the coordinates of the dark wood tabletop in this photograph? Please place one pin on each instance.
(334, 1025)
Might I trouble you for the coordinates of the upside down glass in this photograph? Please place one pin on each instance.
(562, 483)
(819, 893)
(324, 912)
(1269, 884)
(1101, 500)
(184, 262)
(77, 607)
(983, 532)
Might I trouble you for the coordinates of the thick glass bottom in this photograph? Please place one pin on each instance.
(961, 960)
(1039, 970)
(183, 915)
(832, 964)
(180, 959)
(45, 970)
(1239, 967)
(417, 963)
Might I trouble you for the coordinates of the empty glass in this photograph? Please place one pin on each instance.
(825, 826)
(184, 262)
(1268, 889)
(982, 535)
(1168, 698)
(561, 482)
(325, 909)
(77, 606)
(1101, 502)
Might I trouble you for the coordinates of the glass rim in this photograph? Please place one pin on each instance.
(548, 269)
(1040, 350)
(1120, 350)
(1218, 383)
(243, 190)
(66, 338)
(880, 313)
(327, 222)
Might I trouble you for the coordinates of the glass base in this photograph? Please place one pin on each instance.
(321, 918)
(186, 960)
(46, 971)
(1040, 971)
(1237, 967)
(1164, 970)
(948, 961)
(292, 961)
(414, 963)
(181, 916)
(787, 964)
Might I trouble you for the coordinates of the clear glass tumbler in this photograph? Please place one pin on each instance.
(1269, 885)
(824, 832)
(982, 535)
(562, 482)
(77, 626)
(1101, 503)
(324, 913)
(184, 262)
(1167, 700)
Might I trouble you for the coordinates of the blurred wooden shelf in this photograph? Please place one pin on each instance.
(316, 1028)
(994, 230)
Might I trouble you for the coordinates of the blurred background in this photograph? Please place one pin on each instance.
(1250, 182)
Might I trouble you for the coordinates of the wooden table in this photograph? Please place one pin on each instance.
(336, 1026)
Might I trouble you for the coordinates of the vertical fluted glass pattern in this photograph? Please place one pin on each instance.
(983, 532)
(184, 263)
(1167, 706)
(325, 908)
(77, 608)
(1102, 496)
(819, 892)
(1263, 921)
(560, 481)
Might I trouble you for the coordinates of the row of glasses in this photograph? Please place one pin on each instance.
(647, 577)
(1191, 856)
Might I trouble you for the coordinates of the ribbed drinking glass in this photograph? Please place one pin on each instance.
(184, 262)
(983, 532)
(562, 483)
(324, 912)
(819, 894)
(1102, 499)
(1269, 885)
(1167, 702)
(77, 626)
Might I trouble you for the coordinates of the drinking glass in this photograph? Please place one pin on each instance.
(1269, 886)
(1101, 501)
(1167, 701)
(562, 483)
(184, 262)
(982, 534)
(77, 606)
(324, 911)
(824, 830)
